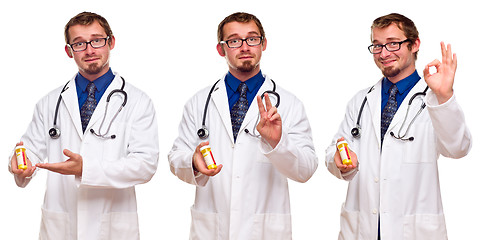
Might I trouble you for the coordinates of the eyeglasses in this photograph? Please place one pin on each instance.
(95, 43)
(238, 42)
(391, 47)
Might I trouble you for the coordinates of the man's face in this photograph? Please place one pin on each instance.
(244, 59)
(395, 65)
(92, 62)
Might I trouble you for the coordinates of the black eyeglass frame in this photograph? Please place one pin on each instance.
(370, 48)
(90, 42)
(243, 40)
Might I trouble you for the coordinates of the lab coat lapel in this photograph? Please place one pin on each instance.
(220, 102)
(99, 112)
(70, 100)
(374, 101)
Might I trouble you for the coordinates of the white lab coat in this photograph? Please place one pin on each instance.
(401, 181)
(249, 198)
(101, 204)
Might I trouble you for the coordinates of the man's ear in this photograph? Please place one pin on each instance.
(111, 42)
(69, 51)
(220, 50)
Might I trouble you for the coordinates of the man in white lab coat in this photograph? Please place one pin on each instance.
(246, 196)
(95, 156)
(394, 191)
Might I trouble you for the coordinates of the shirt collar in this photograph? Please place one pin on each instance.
(252, 83)
(100, 83)
(402, 85)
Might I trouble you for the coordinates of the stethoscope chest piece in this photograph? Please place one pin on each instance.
(54, 132)
(203, 133)
(356, 132)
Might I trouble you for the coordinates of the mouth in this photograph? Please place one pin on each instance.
(89, 60)
(387, 62)
(245, 57)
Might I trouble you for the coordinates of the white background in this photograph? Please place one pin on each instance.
(316, 50)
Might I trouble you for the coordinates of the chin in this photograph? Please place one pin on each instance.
(390, 72)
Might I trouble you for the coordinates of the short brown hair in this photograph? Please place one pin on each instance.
(403, 23)
(87, 18)
(239, 17)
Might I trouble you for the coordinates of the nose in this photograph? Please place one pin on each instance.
(384, 53)
(89, 49)
(244, 46)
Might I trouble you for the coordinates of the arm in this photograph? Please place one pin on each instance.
(185, 153)
(332, 156)
(288, 145)
(454, 140)
(35, 144)
(448, 120)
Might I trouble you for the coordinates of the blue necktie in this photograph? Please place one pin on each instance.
(239, 109)
(89, 106)
(389, 110)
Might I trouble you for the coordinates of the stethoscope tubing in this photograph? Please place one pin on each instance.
(356, 131)
(203, 131)
(55, 132)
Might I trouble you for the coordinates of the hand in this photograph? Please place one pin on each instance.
(338, 160)
(200, 165)
(20, 172)
(441, 82)
(270, 125)
(72, 166)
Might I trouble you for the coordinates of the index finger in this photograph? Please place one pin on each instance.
(54, 167)
(261, 107)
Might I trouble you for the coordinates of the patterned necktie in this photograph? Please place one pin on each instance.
(389, 110)
(239, 109)
(89, 106)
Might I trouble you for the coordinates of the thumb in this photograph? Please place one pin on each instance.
(68, 153)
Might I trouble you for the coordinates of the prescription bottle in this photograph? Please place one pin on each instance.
(208, 157)
(342, 147)
(21, 157)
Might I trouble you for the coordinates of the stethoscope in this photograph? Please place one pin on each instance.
(357, 130)
(203, 132)
(54, 132)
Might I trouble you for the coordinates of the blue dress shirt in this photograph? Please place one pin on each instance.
(101, 83)
(404, 86)
(253, 85)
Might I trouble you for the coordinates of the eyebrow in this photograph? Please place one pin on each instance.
(93, 35)
(248, 34)
(391, 39)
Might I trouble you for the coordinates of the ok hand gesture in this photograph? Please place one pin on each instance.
(441, 82)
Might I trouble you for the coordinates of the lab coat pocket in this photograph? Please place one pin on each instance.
(425, 227)
(204, 225)
(119, 225)
(422, 149)
(351, 225)
(272, 226)
(55, 225)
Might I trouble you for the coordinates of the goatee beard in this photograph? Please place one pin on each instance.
(247, 67)
(390, 72)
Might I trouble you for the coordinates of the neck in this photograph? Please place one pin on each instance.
(402, 75)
